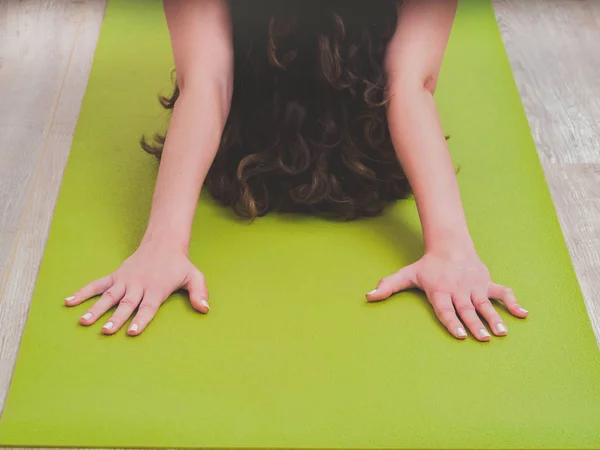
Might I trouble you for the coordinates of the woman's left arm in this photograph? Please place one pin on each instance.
(456, 282)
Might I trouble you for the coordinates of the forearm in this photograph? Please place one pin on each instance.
(192, 141)
(422, 150)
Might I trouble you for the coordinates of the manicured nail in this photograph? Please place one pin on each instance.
(71, 298)
(133, 327)
(374, 291)
(524, 311)
(483, 333)
(108, 326)
(461, 332)
(87, 316)
(500, 328)
(205, 304)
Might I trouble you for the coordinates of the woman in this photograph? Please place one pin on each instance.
(321, 107)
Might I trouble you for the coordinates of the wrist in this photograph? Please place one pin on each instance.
(449, 241)
(166, 239)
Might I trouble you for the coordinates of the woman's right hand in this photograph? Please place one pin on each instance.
(143, 282)
(159, 266)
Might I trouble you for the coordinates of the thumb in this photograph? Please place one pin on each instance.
(399, 281)
(196, 286)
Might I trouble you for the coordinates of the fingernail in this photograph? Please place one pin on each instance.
(108, 326)
(461, 332)
(483, 333)
(133, 327)
(524, 311)
(72, 297)
(374, 291)
(87, 316)
(205, 304)
(500, 328)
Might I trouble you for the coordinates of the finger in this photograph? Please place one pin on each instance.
(467, 312)
(90, 290)
(196, 286)
(507, 296)
(127, 306)
(146, 312)
(486, 309)
(399, 281)
(110, 298)
(444, 310)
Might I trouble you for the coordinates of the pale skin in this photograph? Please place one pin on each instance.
(456, 282)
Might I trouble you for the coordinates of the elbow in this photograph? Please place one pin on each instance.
(224, 91)
(218, 88)
(429, 84)
(406, 87)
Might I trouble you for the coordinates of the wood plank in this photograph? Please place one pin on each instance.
(36, 39)
(47, 175)
(553, 50)
(594, 7)
(575, 191)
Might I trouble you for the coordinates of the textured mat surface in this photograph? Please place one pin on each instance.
(290, 354)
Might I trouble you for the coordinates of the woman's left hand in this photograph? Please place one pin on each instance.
(457, 285)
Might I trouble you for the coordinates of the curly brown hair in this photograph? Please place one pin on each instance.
(307, 131)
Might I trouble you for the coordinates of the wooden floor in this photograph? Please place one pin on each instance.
(46, 50)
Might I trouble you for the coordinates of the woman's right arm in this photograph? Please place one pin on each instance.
(202, 49)
(201, 37)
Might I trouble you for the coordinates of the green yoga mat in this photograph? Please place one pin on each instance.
(291, 355)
